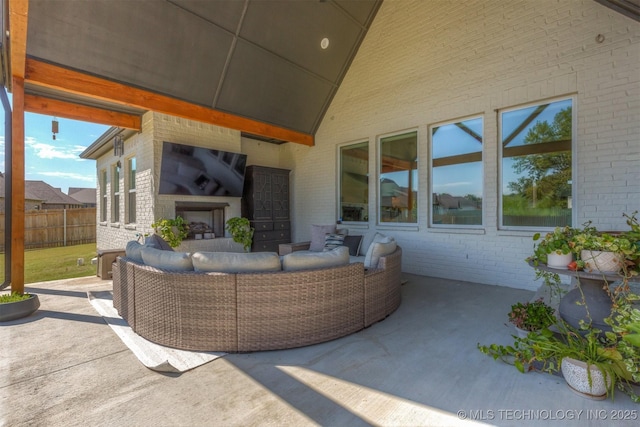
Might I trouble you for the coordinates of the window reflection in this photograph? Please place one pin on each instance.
(399, 178)
(354, 182)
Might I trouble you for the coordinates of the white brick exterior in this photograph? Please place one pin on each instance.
(425, 62)
(146, 147)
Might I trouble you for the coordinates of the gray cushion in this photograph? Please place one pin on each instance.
(367, 240)
(167, 260)
(385, 246)
(306, 260)
(317, 236)
(233, 262)
(155, 241)
(353, 243)
(332, 241)
(133, 251)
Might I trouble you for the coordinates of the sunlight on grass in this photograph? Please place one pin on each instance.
(41, 265)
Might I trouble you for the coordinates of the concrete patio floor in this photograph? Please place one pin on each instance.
(63, 366)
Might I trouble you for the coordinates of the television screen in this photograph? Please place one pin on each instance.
(199, 171)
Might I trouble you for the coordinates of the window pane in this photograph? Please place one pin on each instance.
(132, 173)
(354, 182)
(536, 165)
(132, 208)
(131, 185)
(399, 178)
(103, 199)
(457, 173)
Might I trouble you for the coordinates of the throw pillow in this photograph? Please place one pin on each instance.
(353, 243)
(332, 241)
(368, 239)
(317, 236)
(167, 260)
(233, 262)
(133, 251)
(307, 260)
(378, 249)
(155, 241)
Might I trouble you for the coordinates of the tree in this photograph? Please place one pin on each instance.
(547, 176)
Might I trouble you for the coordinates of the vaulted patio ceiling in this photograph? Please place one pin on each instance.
(257, 66)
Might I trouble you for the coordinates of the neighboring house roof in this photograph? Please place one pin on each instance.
(83, 195)
(49, 194)
(28, 195)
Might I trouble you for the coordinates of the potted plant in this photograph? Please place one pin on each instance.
(555, 248)
(241, 231)
(15, 306)
(603, 252)
(531, 316)
(173, 231)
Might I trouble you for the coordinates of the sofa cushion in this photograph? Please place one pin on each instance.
(384, 246)
(133, 251)
(318, 233)
(353, 243)
(306, 260)
(367, 240)
(332, 241)
(234, 262)
(167, 260)
(155, 241)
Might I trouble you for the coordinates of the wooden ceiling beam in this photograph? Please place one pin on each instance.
(18, 20)
(68, 110)
(51, 76)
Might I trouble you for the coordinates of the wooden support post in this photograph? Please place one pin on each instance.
(17, 187)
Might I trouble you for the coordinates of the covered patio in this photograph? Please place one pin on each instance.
(419, 367)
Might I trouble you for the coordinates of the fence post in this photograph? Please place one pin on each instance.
(64, 226)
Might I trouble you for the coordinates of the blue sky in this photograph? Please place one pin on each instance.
(58, 162)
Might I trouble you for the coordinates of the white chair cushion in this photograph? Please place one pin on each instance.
(307, 260)
(167, 260)
(233, 262)
(133, 250)
(385, 246)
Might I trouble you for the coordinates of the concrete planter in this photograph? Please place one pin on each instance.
(604, 262)
(559, 261)
(577, 377)
(19, 309)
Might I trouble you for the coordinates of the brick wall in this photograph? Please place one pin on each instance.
(427, 62)
(146, 147)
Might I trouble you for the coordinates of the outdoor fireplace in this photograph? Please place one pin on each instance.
(205, 220)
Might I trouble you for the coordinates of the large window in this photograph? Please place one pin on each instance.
(131, 189)
(115, 185)
(103, 195)
(354, 182)
(536, 165)
(456, 174)
(399, 178)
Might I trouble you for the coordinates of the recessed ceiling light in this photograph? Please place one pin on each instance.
(324, 43)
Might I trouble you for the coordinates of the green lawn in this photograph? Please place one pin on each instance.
(41, 265)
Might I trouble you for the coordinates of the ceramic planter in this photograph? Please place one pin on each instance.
(19, 309)
(605, 262)
(559, 262)
(577, 377)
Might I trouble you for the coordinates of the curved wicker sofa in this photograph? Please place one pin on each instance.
(242, 312)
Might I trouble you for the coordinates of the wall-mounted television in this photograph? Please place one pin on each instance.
(200, 171)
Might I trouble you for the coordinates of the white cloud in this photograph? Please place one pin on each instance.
(49, 151)
(68, 175)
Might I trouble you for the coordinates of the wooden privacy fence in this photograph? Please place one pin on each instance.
(55, 227)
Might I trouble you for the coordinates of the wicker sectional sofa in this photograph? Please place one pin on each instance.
(243, 312)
